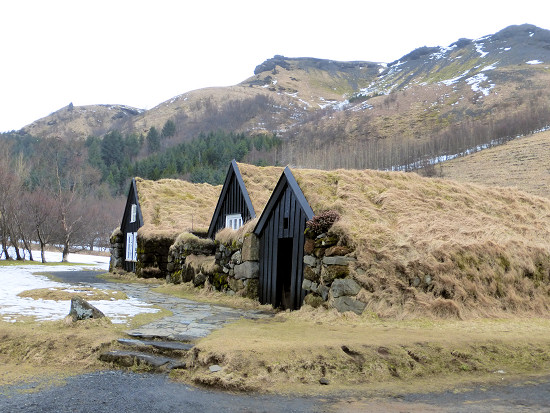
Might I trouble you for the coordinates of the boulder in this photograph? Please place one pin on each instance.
(251, 248)
(82, 309)
(323, 291)
(199, 279)
(346, 303)
(311, 273)
(343, 287)
(332, 272)
(313, 300)
(337, 250)
(309, 246)
(310, 260)
(236, 258)
(252, 288)
(248, 269)
(235, 285)
(338, 260)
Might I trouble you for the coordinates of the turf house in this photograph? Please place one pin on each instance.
(390, 244)
(156, 213)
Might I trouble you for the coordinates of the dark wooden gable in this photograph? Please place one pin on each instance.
(281, 232)
(126, 226)
(234, 199)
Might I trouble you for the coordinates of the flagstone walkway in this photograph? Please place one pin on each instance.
(189, 320)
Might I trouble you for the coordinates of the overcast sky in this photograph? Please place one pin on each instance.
(141, 53)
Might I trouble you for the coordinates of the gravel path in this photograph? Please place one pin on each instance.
(118, 391)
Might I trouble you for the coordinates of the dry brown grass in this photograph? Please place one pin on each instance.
(260, 182)
(171, 206)
(292, 351)
(434, 247)
(46, 352)
(229, 235)
(63, 294)
(523, 163)
(32, 351)
(209, 295)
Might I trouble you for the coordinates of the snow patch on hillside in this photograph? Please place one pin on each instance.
(454, 80)
(534, 62)
(479, 49)
(476, 81)
(490, 67)
(442, 52)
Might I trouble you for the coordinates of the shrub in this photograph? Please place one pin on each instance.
(321, 223)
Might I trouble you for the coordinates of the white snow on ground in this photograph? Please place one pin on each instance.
(19, 278)
(442, 52)
(454, 80)
(475, 84)
(490, 67)
(534, 62)
(479, 49)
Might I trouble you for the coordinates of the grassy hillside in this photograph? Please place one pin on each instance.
(522, 163)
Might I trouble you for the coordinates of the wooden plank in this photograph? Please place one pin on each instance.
(288, 200)
(295, 258)
(261, 278)
(300, 259)
(274, 250)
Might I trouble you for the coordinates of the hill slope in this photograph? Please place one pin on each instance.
(523, 163)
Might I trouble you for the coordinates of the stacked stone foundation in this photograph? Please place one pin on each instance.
(327, 279)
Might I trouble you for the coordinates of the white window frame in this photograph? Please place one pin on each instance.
(133, 213)
(131, 246)
(233, 221)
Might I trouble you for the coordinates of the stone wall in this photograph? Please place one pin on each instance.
(239, 261)
(230, 266)
(117, 250)
(327, 278)
(191, 259)
(152, 255)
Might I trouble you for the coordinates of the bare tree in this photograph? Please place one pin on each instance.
(42, 214)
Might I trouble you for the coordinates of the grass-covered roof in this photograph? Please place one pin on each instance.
(172, 206)
(434, 246)
(260, 182)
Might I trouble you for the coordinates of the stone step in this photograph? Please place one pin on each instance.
(157, 344)
(125, 358)
(152, 336)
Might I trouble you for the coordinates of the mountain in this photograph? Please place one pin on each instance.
(432, 102)
(78, 122)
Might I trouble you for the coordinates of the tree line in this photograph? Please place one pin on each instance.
(330, 147)
(71, 194)
(52, 198)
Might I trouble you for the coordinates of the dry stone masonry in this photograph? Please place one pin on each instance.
(226, 266)
(327, 279)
